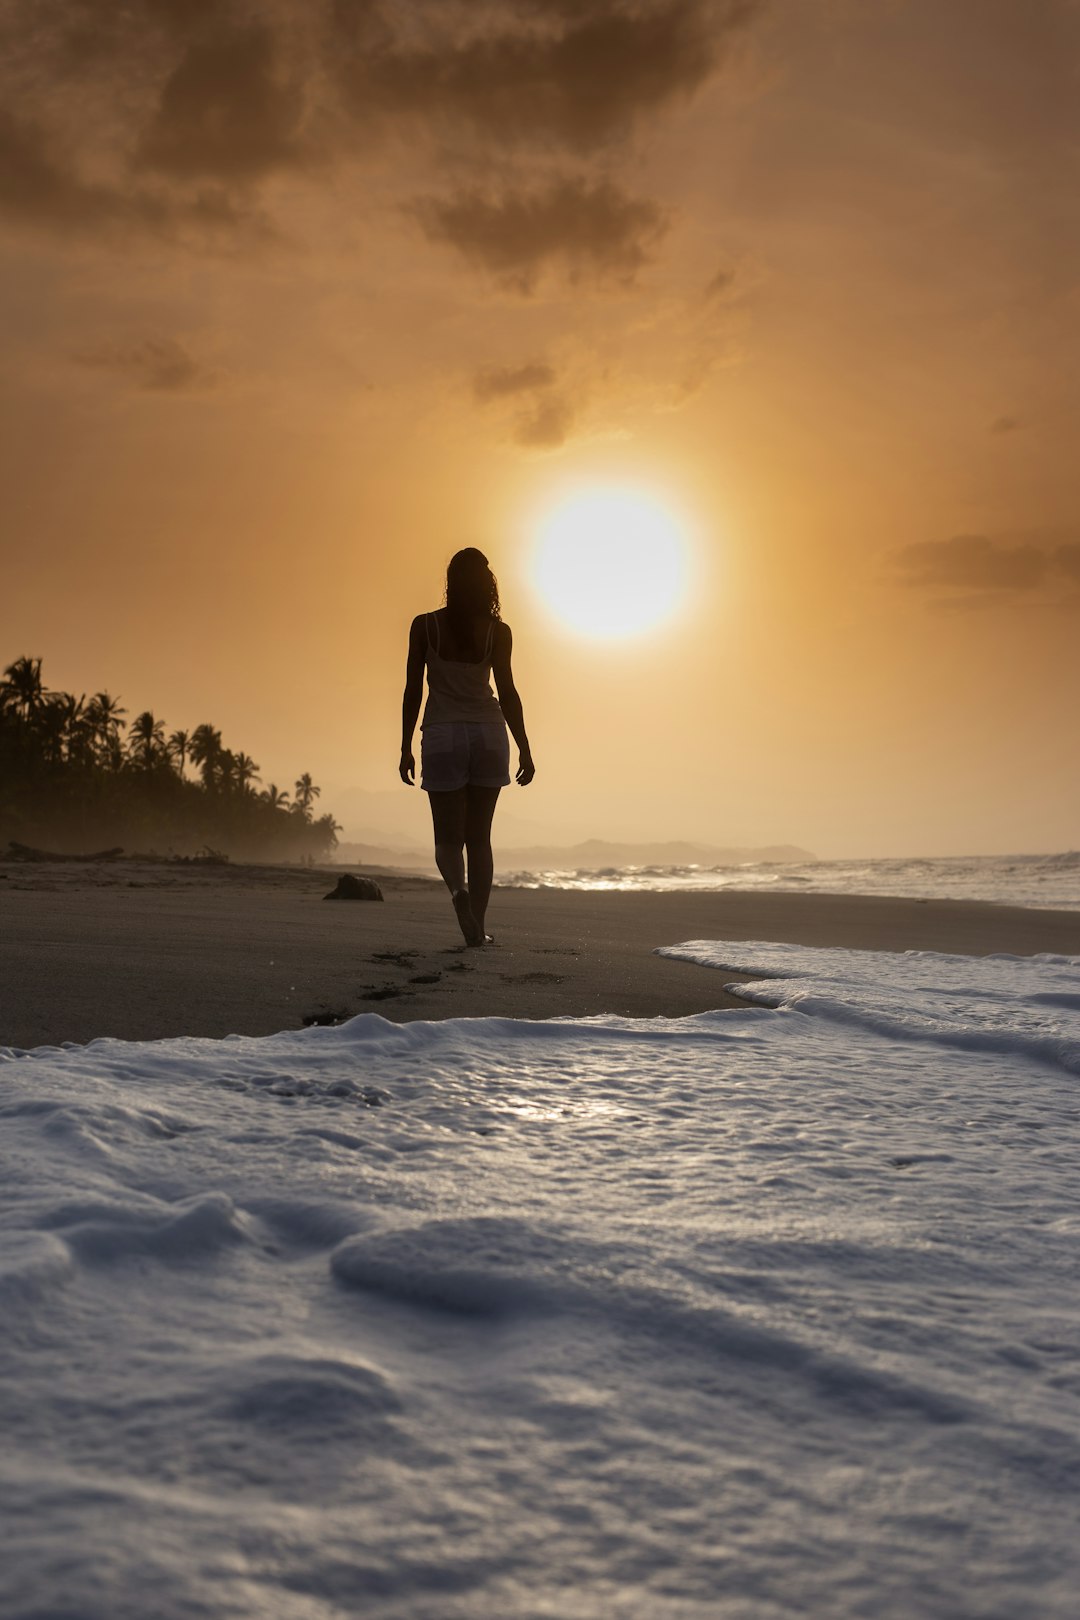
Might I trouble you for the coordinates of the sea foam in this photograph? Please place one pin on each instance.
(1009, 1006)
(758, 1312)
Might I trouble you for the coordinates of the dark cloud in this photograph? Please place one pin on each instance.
(158, 365)
(972, 562)
(1004, 424)
(171, 115)
(38, 188)
(975, 563)
(497, 382)
(720, 284)
(547, 425)
(227, 111)
(590, 228)
(1067, 561)
(585, 78)
(157, 116)
(182, 15)
(547, 421)
(35, 187)
(82, 32)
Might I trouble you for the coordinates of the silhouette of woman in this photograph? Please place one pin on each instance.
(464, 753)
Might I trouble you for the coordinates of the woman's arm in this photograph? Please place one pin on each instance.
(510, 703)
(414, 692)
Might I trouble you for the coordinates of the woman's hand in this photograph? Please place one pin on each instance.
(407, 768)
(526, 770)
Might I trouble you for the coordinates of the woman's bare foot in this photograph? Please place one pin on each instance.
(470, 928)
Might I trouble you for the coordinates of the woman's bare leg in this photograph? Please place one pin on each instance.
(448, 820)
(479, 809)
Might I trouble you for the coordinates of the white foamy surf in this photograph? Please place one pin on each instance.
(755, 1313)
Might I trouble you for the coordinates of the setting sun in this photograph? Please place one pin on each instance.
(610, 563)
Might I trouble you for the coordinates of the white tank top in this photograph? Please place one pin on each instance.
(458, 691)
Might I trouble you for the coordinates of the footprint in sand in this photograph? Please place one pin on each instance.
(532, 978)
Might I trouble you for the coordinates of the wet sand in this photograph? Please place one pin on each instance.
(144, 950)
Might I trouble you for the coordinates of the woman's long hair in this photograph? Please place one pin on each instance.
(472, 593)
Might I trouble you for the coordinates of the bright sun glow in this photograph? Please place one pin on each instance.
(610, 563)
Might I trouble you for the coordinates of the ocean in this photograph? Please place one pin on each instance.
(756, 1313)
(1044, 881)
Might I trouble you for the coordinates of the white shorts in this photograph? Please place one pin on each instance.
(464, 753)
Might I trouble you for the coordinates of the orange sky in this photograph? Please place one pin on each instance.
(299, 297)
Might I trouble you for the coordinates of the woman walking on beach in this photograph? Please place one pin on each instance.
(464, 752)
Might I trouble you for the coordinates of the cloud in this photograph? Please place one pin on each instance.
(157, 365)
(547, 420)
(972, 562)
(1004, 424)
(580, 78)
(173, 116)
(719, 285)
(227, 111)
(547, 426)
(975, 563)
(1067, 561)
(181, 14)
(160, 117)
(37, 188)
(496, 382)
(591, 228)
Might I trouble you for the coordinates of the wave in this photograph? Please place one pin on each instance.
(1041, 881)
(1004, 1006)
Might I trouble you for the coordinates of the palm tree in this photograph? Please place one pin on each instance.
(306, 793)
(22, 688)
(104, 716)
(245, 770)
(179, 746)
(146, 740)
(225, 771)
(205, 751)
(82, 739)
(277, 800)
(50, 725)
(77, 733)
(326, 830)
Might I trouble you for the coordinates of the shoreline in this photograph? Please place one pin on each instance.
(152, 950)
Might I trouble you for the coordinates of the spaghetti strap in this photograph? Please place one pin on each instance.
(490, 642)
(432, 641)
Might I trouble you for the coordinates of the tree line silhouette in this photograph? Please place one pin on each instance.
(71, 779)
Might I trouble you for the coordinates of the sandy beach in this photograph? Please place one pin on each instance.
(146, 950)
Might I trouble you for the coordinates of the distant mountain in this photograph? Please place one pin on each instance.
(591, 856)
(394, 818)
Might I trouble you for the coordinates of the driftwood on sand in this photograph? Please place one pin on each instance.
(27, 852)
